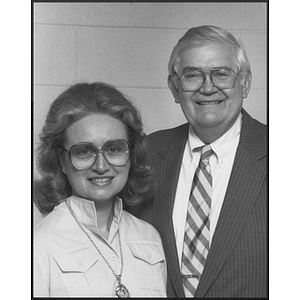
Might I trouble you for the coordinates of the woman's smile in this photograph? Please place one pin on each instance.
(101, 181)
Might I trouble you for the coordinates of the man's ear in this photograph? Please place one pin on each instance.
(246, 84)
(172, 83)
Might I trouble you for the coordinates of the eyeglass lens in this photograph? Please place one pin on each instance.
(223, 78)
(84, 155)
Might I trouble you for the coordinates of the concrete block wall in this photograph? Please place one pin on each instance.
(129, 44)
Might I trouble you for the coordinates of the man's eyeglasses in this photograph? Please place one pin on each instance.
(222, 78)
(84, 155)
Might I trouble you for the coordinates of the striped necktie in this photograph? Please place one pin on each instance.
(196, 238)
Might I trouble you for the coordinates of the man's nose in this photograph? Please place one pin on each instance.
(208, 86)
(101, 163)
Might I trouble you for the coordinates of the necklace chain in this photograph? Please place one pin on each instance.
(88, 236)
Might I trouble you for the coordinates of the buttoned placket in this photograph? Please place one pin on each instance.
(108, 247)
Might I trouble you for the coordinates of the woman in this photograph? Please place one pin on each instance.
(91, 156)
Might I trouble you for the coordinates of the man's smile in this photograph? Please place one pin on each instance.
(209, 102)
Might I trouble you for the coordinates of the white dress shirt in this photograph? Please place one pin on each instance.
(221, 163)
(68, 265)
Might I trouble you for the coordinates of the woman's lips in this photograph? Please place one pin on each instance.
(101, 181)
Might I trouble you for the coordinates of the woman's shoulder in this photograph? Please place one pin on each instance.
(137, 228)
(51, 222)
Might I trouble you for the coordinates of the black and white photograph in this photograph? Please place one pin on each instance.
(150, 149)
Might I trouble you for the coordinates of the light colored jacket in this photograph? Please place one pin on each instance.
(67, 264)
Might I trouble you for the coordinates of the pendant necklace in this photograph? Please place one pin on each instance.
(121, 291)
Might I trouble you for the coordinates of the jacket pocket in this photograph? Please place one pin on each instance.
(150, 266)
(150, 253)
(77, 269)
(76, 260)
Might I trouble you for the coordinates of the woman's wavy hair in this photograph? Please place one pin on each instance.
(75, 103)
(199, 36)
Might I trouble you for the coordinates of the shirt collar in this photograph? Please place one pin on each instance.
(85, 212)
(221, 146)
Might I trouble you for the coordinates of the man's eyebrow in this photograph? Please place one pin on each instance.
(185, 69)
(191, 68)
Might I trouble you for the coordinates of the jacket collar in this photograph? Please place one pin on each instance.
(85, 212)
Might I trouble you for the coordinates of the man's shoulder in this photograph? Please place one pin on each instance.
(252, 125)
(166, 134)
(168, 139)
(254, 136)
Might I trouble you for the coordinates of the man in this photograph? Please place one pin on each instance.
(213, 224)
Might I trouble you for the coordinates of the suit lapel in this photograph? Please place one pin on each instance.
(168, 168)
(247, 175)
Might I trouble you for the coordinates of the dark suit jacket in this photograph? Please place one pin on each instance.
(236, 265)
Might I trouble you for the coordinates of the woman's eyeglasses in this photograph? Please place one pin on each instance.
(84, 155)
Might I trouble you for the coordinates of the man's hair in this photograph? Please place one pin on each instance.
(199, 36)
(75, 103)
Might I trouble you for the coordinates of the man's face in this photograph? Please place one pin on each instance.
(209, 107)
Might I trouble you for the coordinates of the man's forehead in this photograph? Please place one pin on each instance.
(207, 56)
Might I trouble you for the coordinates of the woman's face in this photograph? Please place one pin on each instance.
(102, 181)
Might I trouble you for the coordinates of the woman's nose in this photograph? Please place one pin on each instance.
(101, 163)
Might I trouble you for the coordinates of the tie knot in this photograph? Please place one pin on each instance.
(206, 153)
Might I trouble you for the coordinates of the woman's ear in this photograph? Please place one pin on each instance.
(173, 86)
(61, 158)
(246, 84)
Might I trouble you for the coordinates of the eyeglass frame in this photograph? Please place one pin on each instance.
(209, 71)
(97, 153)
